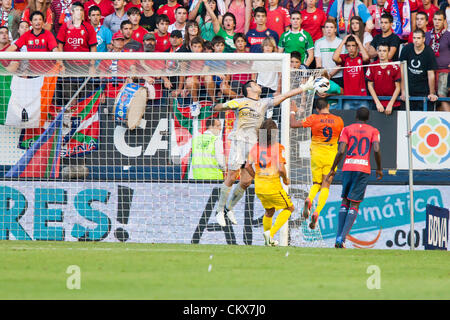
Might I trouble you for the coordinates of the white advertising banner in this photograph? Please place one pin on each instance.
(185, 213)
(430, 140)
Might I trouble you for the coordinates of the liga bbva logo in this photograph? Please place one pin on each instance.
(431, 140)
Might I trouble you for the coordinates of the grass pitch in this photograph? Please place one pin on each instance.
(37, 270)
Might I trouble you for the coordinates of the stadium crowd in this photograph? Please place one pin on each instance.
(317, 34)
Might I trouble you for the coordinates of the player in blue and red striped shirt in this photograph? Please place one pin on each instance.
(360, 138)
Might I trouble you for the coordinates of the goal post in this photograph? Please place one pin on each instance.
(91, 168)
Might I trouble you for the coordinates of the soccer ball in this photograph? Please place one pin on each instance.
(321, 84)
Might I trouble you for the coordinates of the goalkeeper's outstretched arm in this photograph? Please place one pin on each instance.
(308, 85)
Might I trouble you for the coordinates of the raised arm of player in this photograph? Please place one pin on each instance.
(294, 122)
(308, 85)
(340, 154)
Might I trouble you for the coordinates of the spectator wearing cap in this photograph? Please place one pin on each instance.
(149, 42)
(113, 21)
(135, 17)
(105, 6)
(131, 45)
(176, 41)
(161, 34)
(180, 20)
(104, 35)
(10, 18)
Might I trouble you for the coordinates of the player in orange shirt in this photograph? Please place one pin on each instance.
(266, 164)
(325, 130)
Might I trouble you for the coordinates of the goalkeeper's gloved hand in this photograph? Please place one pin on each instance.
(308, 85)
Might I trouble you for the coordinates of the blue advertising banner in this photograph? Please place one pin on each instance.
(436, 228)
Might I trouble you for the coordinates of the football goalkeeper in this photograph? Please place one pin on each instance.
(250, 112)
(266, 164)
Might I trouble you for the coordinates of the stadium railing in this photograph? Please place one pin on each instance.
(422, 99)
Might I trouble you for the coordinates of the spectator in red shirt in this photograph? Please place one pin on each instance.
(44, 7)
(37, 40)
(412, 12)
(134, 15)
(134, 4)
(161, 34)
(354, 82)
(106, 8)
(421, 23)
(278, 18)
(429, 8)
(313, 20)
(169, 10)
(384, 80)
(77, 36)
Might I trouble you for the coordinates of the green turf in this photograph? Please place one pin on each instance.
(37, 270)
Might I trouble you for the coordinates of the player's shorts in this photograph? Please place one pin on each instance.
(354, 185)
(280, 200)
(321, 162)
(239, 151)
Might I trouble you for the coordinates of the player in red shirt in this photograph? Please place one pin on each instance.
(384, 80)
(106, 8)
(37, 40)
(278, 18)
(161, 34)
(360, 138)
(169, 10)
(313, 20)
(354, 82)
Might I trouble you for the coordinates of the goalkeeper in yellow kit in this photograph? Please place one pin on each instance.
(266, 164)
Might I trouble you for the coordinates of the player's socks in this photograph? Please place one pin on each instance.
(237, 194)
(313, 191)
(349, 220)
(267, 223)
(281, 219)
(322, 199)
(223, 197)
(341, 221)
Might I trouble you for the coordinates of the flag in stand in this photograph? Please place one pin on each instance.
(397, 25)
(184, 128)
(42, 160)
(80, 135)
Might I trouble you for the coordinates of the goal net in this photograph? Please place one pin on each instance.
(99, 146)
